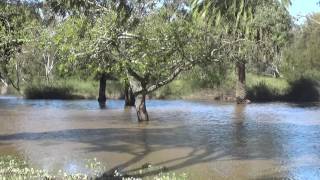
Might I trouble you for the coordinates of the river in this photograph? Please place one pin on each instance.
(206, 140)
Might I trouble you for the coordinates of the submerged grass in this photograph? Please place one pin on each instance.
(12, 168)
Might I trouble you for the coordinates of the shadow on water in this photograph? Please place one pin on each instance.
(236, 141)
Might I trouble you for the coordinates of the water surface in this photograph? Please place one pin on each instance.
(204, 139)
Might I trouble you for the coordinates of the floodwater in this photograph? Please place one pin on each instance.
(203, 139)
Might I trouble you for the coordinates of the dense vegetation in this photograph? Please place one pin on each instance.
(61, 49)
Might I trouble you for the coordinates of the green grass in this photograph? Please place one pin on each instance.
(86, 89)
(48, 91)
(12, 168)
(71, 89)
(175, 90)
(277, 85)
(259, 88)
(263, 89)
(193, 89)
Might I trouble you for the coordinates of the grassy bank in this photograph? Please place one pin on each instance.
(259, 89)
(188, 89)
(263, 89)
(70, 89)
(298, 90)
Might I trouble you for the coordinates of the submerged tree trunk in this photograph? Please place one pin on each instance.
(141, 108)
(102, 91)
(129, 96)
(241, 83)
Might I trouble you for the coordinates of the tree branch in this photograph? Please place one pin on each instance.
(135, 75)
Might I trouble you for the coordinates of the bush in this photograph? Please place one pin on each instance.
(299, 90)
(43, 91)
(303, 90)
(262, 93)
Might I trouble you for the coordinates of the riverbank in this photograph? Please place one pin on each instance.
(259, 89)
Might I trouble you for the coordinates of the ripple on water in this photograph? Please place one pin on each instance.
(208, 140)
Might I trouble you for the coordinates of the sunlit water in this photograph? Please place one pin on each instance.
(205, 140)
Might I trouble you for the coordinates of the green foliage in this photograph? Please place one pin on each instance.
(302, 58)
(151, 44)
(277, 85)
(256, 29)
(45, 91)
(81, 87)
(273, 89)
(303, 90)
(71, 88)
(16, 24)
(210, 75)
(265, 89)
(176, 90)
(262, 93)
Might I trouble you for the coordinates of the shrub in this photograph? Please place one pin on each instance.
(303, 90)
(44, 91)
(262, 93)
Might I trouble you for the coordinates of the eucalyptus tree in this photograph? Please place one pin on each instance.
(237, 20)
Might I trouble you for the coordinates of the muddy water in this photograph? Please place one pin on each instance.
(206, 140)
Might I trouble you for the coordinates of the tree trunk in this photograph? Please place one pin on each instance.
(241, 83)
(102, 91)
(129, 96)
(141, 108)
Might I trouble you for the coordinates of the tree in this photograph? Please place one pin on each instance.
(100, 24)
(235, 19)
(302, 56)
(17, 19)
(148, 45)
(164, 45)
